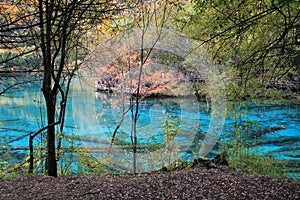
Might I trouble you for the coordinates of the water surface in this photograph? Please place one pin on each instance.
(94, 116)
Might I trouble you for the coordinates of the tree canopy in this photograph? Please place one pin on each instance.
(257, 41)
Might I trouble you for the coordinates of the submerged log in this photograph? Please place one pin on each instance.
(272, 129)
(282, 141)
(259, 133)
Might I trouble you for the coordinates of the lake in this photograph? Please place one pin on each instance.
(167, 128)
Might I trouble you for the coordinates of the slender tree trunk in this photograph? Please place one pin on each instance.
(51, 165)
(49, 94)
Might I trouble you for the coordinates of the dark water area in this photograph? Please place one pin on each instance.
(92, 118)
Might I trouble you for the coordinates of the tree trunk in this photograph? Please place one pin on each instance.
(48, 91)
(50, 97)
(51, 165)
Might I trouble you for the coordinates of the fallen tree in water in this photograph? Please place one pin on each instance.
(259, 133)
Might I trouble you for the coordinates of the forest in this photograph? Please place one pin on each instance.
(223, 53)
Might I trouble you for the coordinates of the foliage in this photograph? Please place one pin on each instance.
(247, 160)
(17, 63)
(3, 164)
(12, 170)
(171, 126)
(79, 161)
(242, 151)
(252, 41)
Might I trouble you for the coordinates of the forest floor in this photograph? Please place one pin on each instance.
(201, 182)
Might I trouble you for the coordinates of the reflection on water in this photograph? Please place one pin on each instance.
(153, 114)
(94, 117)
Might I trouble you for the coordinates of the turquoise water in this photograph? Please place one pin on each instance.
(280, 144)
(93, 117)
